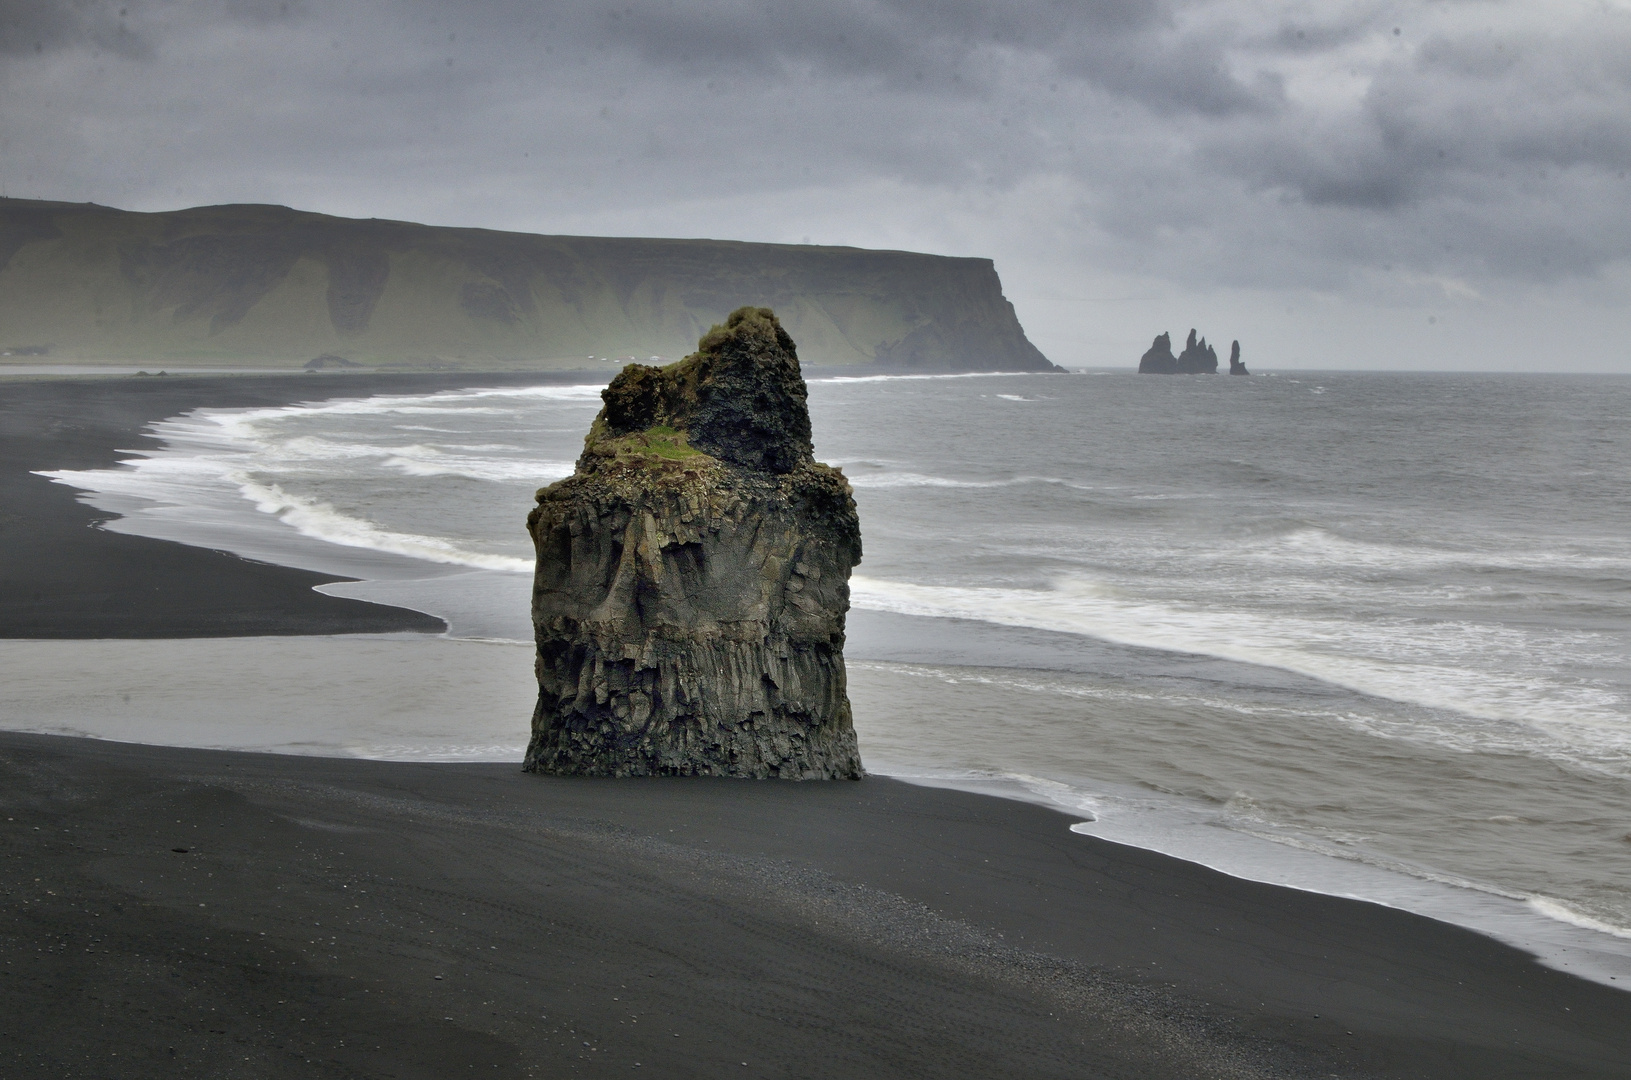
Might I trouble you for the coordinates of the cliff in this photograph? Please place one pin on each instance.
(693, 577)
(266, 286)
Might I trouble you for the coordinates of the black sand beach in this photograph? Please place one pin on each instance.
(62, 578)
(201, 913)
(175, 912)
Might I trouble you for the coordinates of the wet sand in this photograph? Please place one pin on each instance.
(355, 918)
(332, 917)
(60, 577)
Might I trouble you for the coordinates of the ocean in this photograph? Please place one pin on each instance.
(1368, 634)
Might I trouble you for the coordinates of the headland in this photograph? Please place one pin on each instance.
(271, 287)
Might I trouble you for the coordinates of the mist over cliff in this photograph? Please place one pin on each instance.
(270, 286)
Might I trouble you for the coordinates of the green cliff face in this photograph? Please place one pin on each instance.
(269, 286)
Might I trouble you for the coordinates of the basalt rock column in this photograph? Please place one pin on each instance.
(693, 577)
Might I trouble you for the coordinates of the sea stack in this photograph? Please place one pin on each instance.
(1236, 365)
(1198, 358)
(693, 577)
(1158, 358)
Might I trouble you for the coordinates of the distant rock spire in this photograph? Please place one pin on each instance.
(1158, 359)
(1198, 358)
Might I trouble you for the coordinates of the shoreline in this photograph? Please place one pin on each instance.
(211, 587)
(66, 578)
(393, 917)
(423, 698)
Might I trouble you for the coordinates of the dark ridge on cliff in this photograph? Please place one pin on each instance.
(271, 286)
(693, 577)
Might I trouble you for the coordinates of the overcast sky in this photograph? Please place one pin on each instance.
(1337, 184)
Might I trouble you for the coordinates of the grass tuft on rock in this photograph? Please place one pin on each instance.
(657, 441)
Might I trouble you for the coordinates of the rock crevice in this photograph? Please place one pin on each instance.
(693, 577)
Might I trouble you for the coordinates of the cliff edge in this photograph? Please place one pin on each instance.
(693, 577)
(267, 286)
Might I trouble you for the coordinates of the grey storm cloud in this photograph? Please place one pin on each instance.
(900, 44)
(125, 28)
(1456, 114)
(1204, 143)
(1125, 46)
(1495, 151)
(29, 27)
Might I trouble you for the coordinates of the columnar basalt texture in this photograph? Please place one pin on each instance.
(693, 577)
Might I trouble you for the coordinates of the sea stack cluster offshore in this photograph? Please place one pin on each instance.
(693, 576)
(1198, 358)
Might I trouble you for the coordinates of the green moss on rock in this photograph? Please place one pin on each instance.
(693, 576)
(740, 397)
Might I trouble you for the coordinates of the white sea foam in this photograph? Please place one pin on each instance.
(322, 522)
(1317, 547)
(276, 458)
(872, 475)
(1401, 660)
(842, 379)
(421, 460)
(447, 401)
(907, 479)
(183, 481)
(1553, 908)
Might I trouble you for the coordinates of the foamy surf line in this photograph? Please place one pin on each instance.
(841, 379)
(320, 521)
(211, 457)
(1578, 725)
(1552, 931)
(310, 518)
(866, 479)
